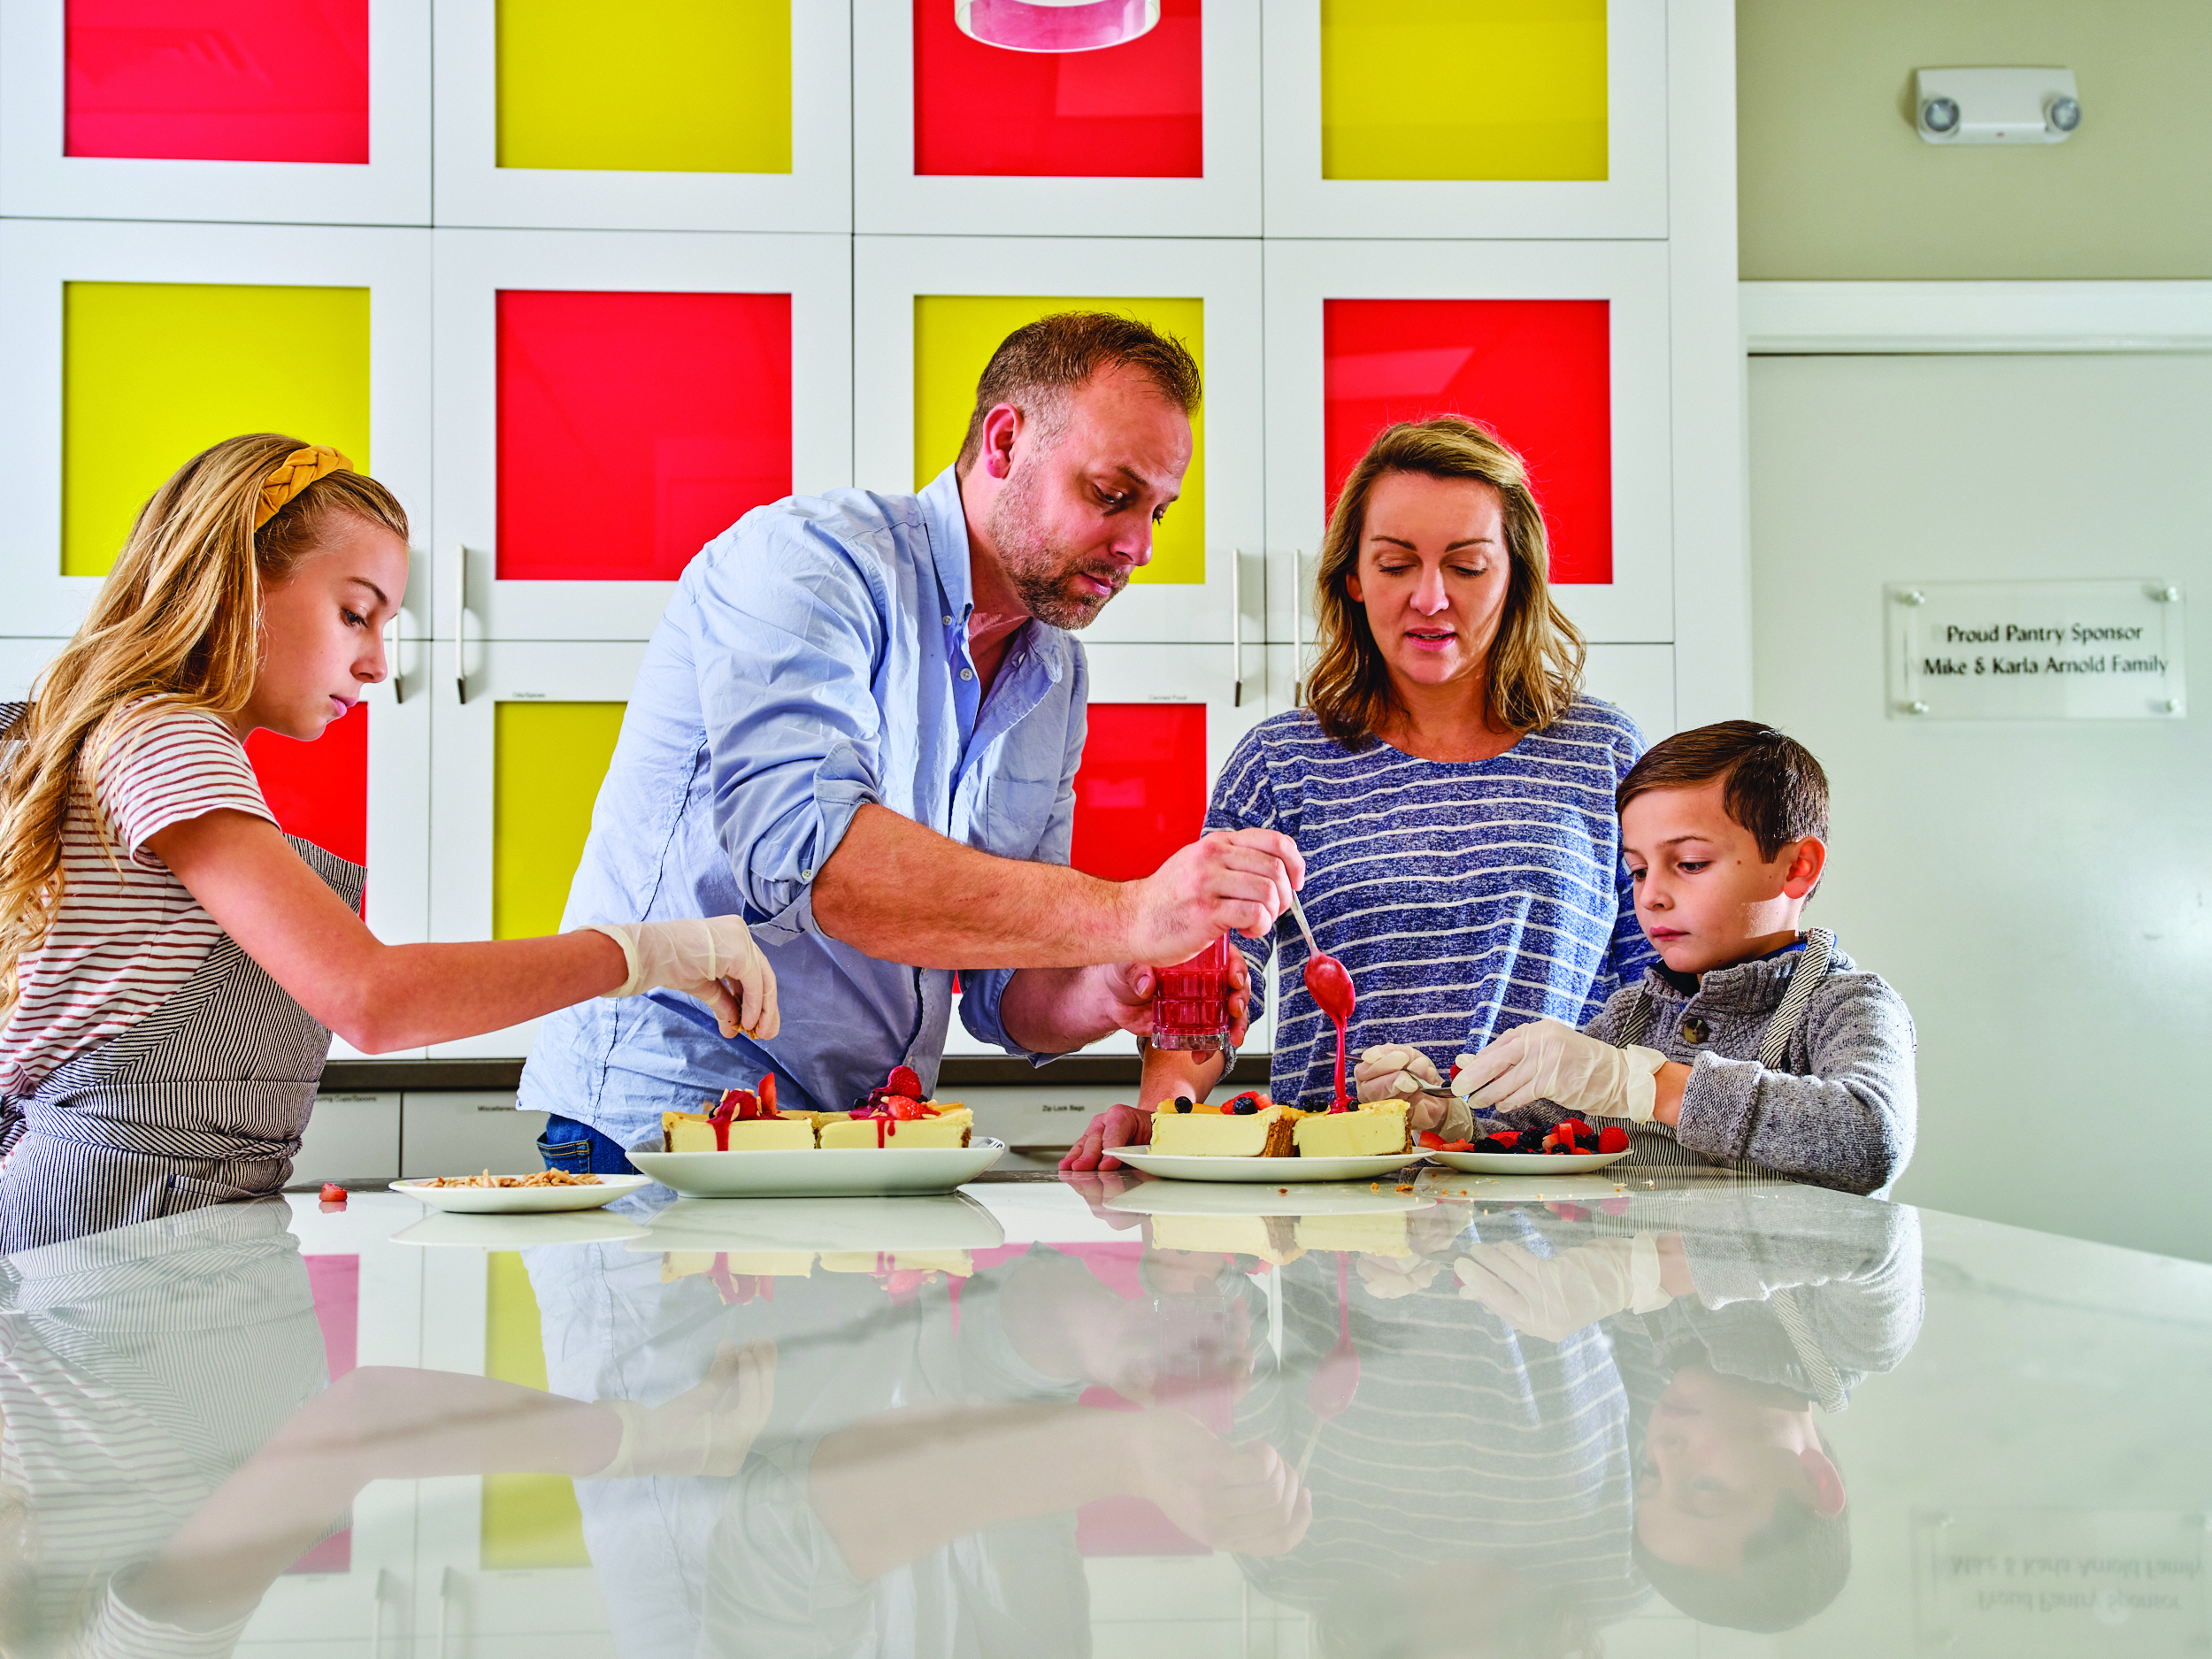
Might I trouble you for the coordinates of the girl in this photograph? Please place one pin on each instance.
(172, 966)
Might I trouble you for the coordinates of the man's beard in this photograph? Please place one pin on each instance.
(1040, 572)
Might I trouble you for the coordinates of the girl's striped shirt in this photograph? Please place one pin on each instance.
(128, 934)
(1465, 897)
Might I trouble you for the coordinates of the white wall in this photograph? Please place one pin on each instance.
(2037, 891)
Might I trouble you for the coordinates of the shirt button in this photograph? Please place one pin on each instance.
(967, 673)
(806, 875)
(1695, 1030)
(947, 621)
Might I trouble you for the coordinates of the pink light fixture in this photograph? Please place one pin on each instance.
(1054, 25)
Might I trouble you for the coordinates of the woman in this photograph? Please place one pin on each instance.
(1448, 783)
(172, 966)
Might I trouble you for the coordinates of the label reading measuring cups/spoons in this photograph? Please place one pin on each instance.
(2078, 651)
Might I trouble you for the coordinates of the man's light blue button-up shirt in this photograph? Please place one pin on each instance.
(814, 658)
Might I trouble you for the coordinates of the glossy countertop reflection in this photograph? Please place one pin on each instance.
(1637, 1413)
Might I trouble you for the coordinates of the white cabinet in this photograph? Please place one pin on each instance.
(1334, 377)
(929, 309)
(568, 163)
(176, 168)
(521, 734)
(1157, 138)
(550, 348)
(206, 272)
(1401, 114)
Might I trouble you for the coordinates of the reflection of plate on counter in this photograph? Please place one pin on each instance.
(1272, 1223)
(1263, 1172)
(1527, 1163)
(790, 1238)
(521, 1201)
(518, 1232)
(838, 1172)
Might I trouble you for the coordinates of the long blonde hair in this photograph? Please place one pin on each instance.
(1534, 668)
(176, 624)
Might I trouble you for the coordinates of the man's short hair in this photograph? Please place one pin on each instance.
(1776, 788)
(1037, 368)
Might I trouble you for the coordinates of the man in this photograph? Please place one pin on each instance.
(858, 724)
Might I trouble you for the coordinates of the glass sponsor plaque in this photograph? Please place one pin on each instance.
(2078, 651)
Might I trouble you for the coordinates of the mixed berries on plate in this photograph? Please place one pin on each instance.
(899, 1097)
(1572, 1139)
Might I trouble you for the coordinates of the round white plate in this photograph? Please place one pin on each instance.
(813, 1172)
(1527, 1163)
(1269, 1171)
(518, 1233)
(951, 1221)
(520, 1201)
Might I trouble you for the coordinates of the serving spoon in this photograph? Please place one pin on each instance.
(1329, 982)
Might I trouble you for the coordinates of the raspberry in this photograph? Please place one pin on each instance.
(903, 1080)
(1612, 1138)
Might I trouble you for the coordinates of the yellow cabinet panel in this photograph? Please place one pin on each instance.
(153, 372)
(549, 759)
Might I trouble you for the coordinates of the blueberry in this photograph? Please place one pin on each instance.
(1244, 1106)
(1183, 1103)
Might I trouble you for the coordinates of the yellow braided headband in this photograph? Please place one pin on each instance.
(294, 474)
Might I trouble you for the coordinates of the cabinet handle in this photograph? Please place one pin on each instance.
(391, 656)
(1297, 628)
(461, 622)
(1236, 627)
(385, 1584)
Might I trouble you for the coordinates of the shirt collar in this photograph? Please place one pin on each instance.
(947, 523)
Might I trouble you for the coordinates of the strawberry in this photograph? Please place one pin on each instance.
(1431, 1141)
(906, 1110)
(768, 1096)
(1458, 1145)
(903, 1080)
(332, 1194)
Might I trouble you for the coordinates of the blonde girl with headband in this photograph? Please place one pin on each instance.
(171, 966)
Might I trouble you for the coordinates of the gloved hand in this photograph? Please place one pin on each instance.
(713, 959)
(1545, 1060)
(1392, 1070)
(1556, 1298)
(703, 1431)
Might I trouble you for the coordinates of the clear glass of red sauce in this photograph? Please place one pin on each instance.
(1190, 1009)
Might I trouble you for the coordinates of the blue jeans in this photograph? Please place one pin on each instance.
(580, 1150)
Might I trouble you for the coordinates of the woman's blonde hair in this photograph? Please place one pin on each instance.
(1535, 667)
(176, 624)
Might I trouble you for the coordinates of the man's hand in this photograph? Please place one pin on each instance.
(1130, 987)
(1115, 1126)
(1231, 881)
(1545, 1060)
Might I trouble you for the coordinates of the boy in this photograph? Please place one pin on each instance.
(1774, 1049)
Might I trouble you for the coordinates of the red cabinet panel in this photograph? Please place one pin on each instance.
(319, 791)
(635, 427)
(1537, 372)
(1130, 112)
(219, 79)
(1141, 792)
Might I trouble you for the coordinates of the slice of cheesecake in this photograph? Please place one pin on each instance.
(948, 1125)
(696, 1131)
(1366, 1131)
(1181, 1130)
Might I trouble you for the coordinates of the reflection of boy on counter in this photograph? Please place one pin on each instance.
(1768, 1046)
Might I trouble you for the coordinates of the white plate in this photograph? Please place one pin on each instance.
(1271, 1171)
(520, 1201)
(1527, 1163)
(1189, 1198)
(814, 1173)
(518, 1233)
(953, 1221)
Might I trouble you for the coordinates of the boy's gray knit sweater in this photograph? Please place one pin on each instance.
(1841, 1111)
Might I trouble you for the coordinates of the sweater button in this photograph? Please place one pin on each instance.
(1695, 1030)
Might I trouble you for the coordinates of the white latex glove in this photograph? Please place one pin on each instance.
(1392, 1070)
(1545, 1060)
(703, 1431)
(713, 959)
(1556, 1298)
